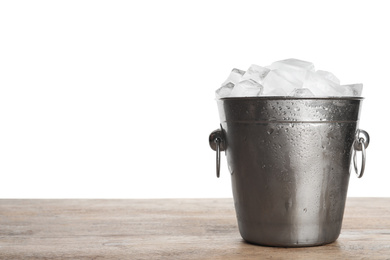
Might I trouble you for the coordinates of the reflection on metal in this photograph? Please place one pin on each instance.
(290, 163)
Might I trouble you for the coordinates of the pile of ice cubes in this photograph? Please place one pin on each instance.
(291, 77)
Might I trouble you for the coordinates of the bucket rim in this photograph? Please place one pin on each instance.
(291, 98)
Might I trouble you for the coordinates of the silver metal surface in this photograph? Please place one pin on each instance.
(289, 160)
(217, 143)
(363, 166)
(361, 134)
(218, 152)
(217, 134)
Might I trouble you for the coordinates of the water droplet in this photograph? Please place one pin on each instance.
(305, 210)
(270, 131)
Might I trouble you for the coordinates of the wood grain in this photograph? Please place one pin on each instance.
(170, 229)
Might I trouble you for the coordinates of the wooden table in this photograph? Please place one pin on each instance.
(170, 229)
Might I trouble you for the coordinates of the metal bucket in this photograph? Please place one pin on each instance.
(289, 160)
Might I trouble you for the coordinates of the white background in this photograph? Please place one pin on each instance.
(115, 99)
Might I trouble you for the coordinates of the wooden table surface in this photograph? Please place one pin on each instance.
(170, 229)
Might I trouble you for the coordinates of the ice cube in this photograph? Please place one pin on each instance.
(224, 91)
(234, 76)
(293, 70)
(247, 88)
(320, 86)
(277, 79)
(328, 75)
(302, 92)
(294, 77)
(352, 90)
(290, 77)
(276, 92)
(256, 73)
(292, 64)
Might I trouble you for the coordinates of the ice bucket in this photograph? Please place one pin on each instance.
(289, 160)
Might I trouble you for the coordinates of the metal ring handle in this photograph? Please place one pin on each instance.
(218, 142)
(359, 135)
(363, 148)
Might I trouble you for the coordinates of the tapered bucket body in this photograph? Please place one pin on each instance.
(289, 160)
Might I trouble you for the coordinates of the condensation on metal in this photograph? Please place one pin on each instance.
(289, 160)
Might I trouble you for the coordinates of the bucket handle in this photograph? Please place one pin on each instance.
(362, 140)
(217, 143)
